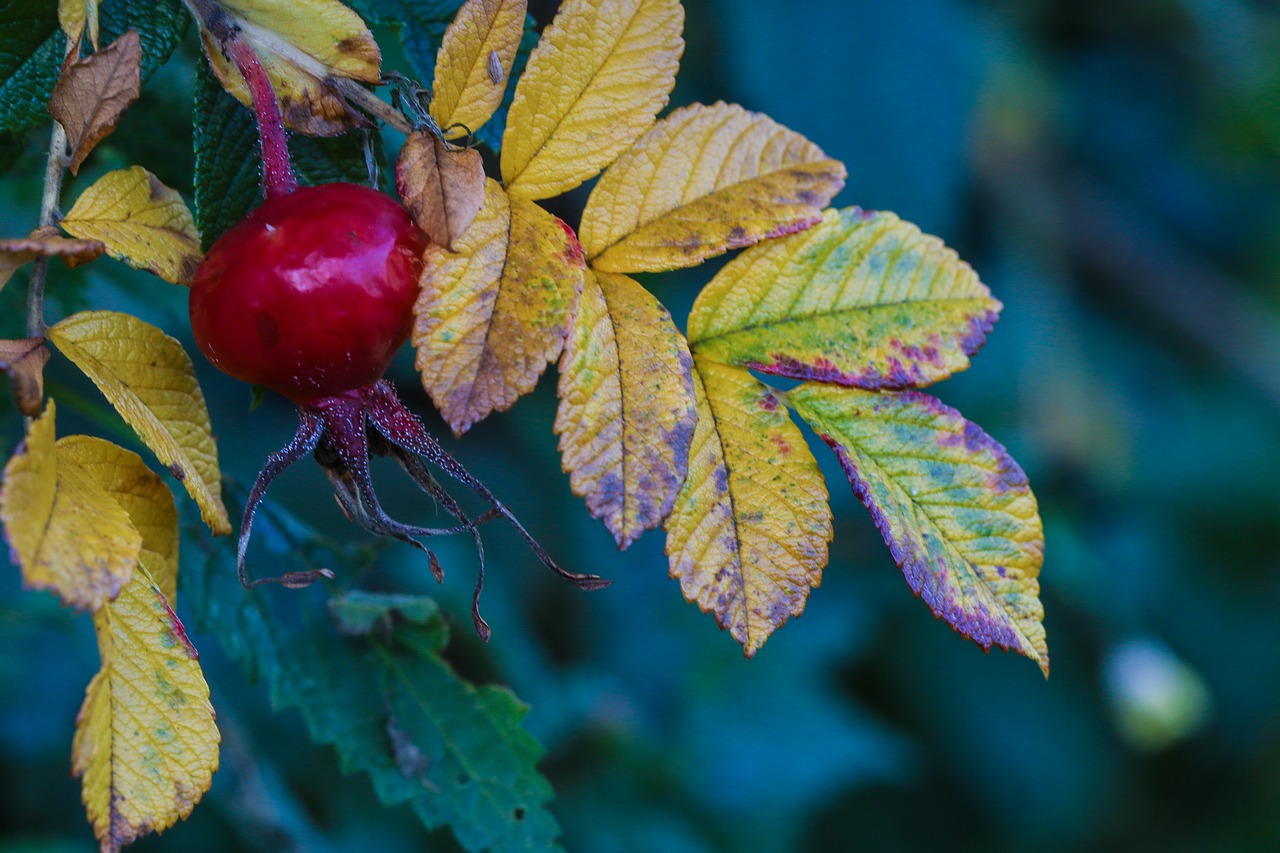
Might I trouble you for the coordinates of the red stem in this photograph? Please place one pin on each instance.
(278, 178)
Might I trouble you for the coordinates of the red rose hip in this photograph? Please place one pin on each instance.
(312, 294)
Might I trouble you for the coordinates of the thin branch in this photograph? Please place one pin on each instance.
(54, 168)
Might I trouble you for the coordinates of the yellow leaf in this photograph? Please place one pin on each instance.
(442, 189)
(141, 221)
(601, 72)
(493, 314)
(481, 40)
(148, 377)
(92, 94)
(146, 745)
(141, 493)
(68, 534)
(627, 408)
(76, 16)
(705, 180)
(748, 535)
(300, 43)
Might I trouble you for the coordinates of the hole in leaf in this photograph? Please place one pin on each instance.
(519, 814)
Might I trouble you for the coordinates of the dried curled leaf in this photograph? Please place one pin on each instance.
(68, 534)
(300, 43)
(953, 507)
(492, 315)
(92, 94)
(627, 408)
(140, 221)
(475, 60)
(148, 378)
(24, 360)
(443, 189)
(14, 253)
(146, 745)
(601, 72)
(864, 300)
(704, 180)
(748, 535)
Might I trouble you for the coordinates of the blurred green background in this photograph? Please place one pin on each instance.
(1112, 170)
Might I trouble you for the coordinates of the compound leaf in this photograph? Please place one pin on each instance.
(704, 180)
(492, 315)
(368, 677)
(148, 378)
(475, 61)
(140, 221)
(863, 299)
(952, 505)
(601, 72)
(146, 745)
(67, 533)
(627, 408)
(748, 535)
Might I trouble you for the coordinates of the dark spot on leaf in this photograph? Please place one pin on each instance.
(178, 472)
(769, 402)
(737, 236)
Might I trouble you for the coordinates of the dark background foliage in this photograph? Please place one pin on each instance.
(1111, 169)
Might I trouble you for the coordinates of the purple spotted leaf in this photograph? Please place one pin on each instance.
(863, 300)
(952, 505)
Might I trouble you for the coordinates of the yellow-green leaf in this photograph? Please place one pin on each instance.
(141, 221)
(863, 299)
(627, 408)
(492, 315)
(141, 493)
(601, 72)
(300, 44)
(77, 16)
(146, 745)
(748, 535)
(704, 180)
(481, 40)
(953, 507)
(68, 535)
(148, 377)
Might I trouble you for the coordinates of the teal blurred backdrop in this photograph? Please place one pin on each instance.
(1112, 170)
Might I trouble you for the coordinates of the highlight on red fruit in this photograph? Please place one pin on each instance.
(312, 294)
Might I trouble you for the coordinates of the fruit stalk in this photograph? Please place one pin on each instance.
(278, 178)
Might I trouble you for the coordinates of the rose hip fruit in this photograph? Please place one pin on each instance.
(312, 294)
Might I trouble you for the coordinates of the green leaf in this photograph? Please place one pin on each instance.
(862, 299)
(227, 179)
(32, 48)
(952, 505)
(367, 675)
(422, 24)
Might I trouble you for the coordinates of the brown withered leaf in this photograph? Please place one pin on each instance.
(442, 188)
(93, 93)
(45, 242)
(24, 360)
